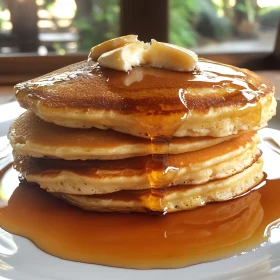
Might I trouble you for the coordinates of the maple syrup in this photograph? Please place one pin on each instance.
(155, 101)
(142, 241)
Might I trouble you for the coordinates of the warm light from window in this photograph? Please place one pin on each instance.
(44, 14)
(63, 23)
(42, 50)
(40, 2)
(46, 24)
(268, 3)
(64, 9)
(5, 15)
(218, 3)
(7, 26)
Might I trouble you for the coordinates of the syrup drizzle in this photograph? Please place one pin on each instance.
(160, 173)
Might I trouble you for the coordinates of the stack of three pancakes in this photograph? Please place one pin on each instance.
(87, 135)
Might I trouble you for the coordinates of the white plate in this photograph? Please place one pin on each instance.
(8, 111)
(20, 259)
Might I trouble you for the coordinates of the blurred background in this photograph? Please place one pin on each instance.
(73, 26)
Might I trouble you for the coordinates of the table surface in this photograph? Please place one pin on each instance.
(7, 92)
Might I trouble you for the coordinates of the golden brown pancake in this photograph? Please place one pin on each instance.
(176, 198)
(31, 136)
(100, 177)
(213, 100)
(75, 147)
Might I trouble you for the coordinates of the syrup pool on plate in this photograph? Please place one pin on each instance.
(143, 241)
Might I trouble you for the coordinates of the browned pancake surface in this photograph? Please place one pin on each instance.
(144, 89)
(131, 166)
(31, 136)
(213, 100)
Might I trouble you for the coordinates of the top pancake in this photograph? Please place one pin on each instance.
(213, 100)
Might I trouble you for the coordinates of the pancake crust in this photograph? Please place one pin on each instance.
(99, 177)
(214, 100)
(31, 136)
(176, 198)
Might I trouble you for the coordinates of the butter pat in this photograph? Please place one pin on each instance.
(110, 45)
(126, 52)
(168, 56)
(123, 58)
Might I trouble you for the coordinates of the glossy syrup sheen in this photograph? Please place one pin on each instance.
(139, 240)
(158, 101)
(145, 89)
(136, 165)
(149, 96)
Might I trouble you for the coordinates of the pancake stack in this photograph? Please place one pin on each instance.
(147, 140)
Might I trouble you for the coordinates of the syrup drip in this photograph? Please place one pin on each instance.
(160, 173)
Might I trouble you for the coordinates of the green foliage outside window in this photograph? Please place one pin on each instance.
(191, 22)
(100, 24)
(183, 15)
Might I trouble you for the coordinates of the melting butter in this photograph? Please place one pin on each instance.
(110, 45)
(123, 58)
(126, 52)
(168, 56)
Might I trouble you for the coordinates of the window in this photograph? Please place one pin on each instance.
(38, 36)
(70, 26)
(56, 26)
(224, 26)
